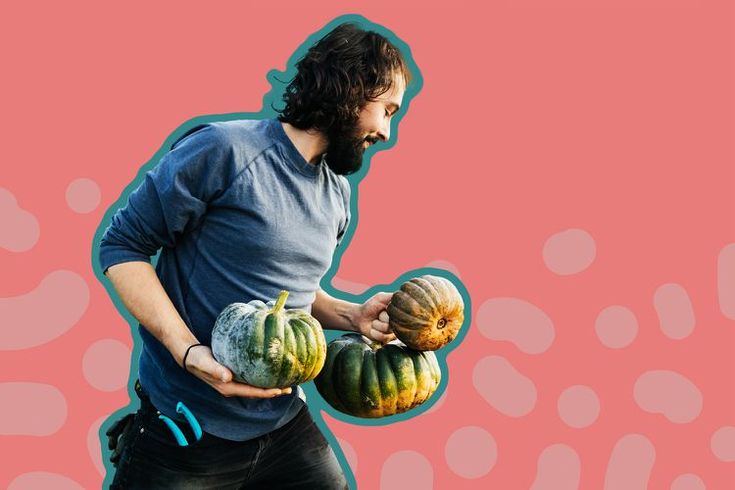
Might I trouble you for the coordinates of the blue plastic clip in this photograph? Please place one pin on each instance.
(193, 422)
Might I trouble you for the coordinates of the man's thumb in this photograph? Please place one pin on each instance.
(219, 371)
(225, 374)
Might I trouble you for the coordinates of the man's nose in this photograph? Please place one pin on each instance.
(384, 132)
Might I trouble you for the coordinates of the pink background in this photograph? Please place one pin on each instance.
(571, 161)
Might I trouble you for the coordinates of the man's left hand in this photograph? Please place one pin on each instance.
(372, 319)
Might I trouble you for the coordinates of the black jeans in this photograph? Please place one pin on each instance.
(294, 456)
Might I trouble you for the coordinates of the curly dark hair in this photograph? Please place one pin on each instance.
(338, 76)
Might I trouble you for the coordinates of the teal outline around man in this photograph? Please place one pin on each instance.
(240, 210)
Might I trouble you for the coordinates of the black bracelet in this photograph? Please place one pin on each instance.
(183, 363)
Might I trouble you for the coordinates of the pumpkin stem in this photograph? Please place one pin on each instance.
(280, 302)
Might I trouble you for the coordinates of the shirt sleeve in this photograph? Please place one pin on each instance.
(346, 192)
(172, 199)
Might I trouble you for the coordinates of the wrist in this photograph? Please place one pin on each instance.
(354, 313)
(348, 315)
(336, 314)
(186, 355)
(178, 346)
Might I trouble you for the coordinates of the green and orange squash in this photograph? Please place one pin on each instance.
(368, 379)
(427, 312)
(268, 346)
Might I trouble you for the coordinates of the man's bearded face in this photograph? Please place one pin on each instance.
(349, 140)
(346, 148)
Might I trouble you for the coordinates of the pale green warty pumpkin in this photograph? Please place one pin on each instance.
(268, 346)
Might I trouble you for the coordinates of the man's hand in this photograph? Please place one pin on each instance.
(143, 295)
(202, 364)
(372, 319)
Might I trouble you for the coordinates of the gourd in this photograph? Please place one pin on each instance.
(268, 346)
(427, 312)
(368, 379)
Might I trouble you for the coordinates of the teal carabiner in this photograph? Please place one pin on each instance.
(193, 423)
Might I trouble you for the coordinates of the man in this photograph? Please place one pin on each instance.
(241, 210)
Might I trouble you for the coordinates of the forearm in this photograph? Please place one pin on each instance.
(333, 313)
(140, 290)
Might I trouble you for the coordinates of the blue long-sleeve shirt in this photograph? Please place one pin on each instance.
(239, 215)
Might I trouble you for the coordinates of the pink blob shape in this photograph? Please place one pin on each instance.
(444, 264)
(83, 195)
(688, 481)
(675, 312)
(630, 464)
(558, 469)
(20, 229)
(438, 404)
(106, 365)
(578, 406)
(47, 312)
(348, 286)
(517, 321)
(350, 453)
(616, 327)
(569, 252)
(94, 446)
(503, 387)
(722, 443)
(471, 452)
(31, 409)
(670, 394)
(41, 480)
(726, 280)
(406, 469)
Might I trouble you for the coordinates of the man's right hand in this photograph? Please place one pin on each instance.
(144, 297)
(202, 364)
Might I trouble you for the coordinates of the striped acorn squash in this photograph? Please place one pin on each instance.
(368, 379)
(427, 312)
(268, 346)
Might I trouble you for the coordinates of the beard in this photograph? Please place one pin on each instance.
(346, 148)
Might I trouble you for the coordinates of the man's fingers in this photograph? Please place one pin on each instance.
(381, 337)
(235, 388)
(380, 326)
(247, 391)
(383, 317)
